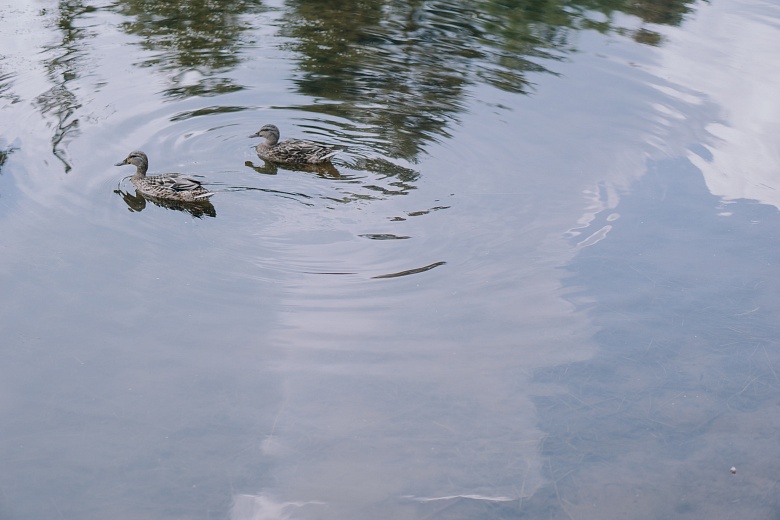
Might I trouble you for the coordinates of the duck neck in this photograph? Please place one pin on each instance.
(140, 171)
(266, 145)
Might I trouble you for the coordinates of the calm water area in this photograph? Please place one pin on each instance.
(540, 280)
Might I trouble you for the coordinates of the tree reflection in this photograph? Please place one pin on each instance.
(63, 66)
(404, 68)
(4, 153)
(200, 39)
(6, 82)
(401, 69)
(661, 12)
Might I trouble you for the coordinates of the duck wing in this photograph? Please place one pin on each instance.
(307, 151)
(175, 182)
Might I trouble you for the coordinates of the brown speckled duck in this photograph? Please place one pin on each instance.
(170, 186)
(290, 151)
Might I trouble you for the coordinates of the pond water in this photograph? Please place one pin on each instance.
(539, 280)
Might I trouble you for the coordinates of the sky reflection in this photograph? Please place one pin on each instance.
(740, 158)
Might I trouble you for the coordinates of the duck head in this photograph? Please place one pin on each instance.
(270, 132)
(137, 159)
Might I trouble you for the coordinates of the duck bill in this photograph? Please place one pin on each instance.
(122, 163)
(255, 135)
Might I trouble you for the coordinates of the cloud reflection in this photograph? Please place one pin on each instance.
(741, 158)
(263, 507)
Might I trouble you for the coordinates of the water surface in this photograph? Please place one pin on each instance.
(537, 281)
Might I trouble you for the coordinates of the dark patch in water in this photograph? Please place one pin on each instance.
(384, 236)
(410, 271)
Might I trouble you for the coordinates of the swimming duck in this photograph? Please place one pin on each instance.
(290, 151)
(171, 186)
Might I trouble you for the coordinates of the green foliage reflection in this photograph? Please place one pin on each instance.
(202, 37)
(405, 68)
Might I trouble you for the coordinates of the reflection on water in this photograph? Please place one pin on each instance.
(735, 164)
(6, 82)
(468, 360)
(5, 152)
(352, 187)
(137, 202)
(382, 66)
(418, 213)
(408, 272)
(65, 63)
(378, 68)
(325, 170)
(199, 42)
(673, 398)
(384, 236)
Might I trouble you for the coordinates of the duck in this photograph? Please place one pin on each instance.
(290, 151)
(168, 186)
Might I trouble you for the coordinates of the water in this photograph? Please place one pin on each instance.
(537, 281)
